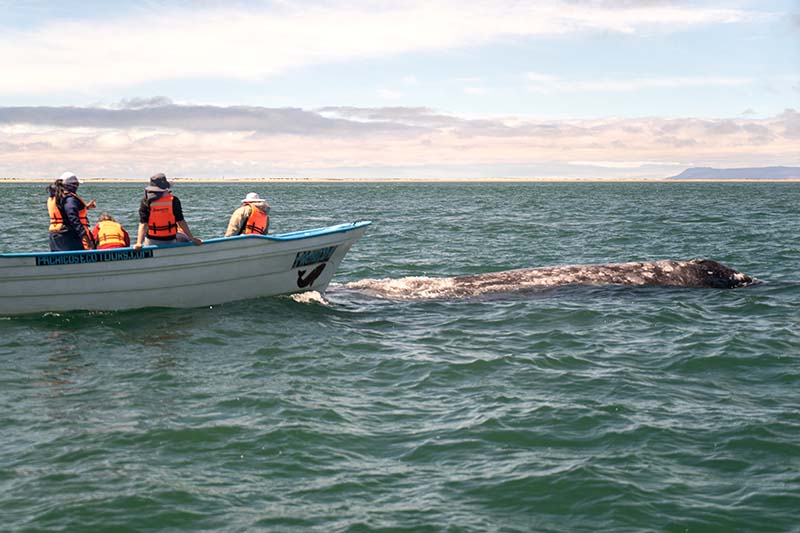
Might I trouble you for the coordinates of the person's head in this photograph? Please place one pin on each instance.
(254, 199)
(106, 216)
(56, 188)
(159, 181)
(70, 181)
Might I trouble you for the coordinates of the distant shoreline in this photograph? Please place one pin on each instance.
(410, 180)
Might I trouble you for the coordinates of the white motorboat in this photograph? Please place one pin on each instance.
(178, 275)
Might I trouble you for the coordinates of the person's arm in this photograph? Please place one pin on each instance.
(237, 222)
(140, 235)
(127, 237)
(177, 210)
(144, 215)
(185, 227)
(95, 232)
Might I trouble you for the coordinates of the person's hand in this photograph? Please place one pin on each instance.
(92, 204)
(137, 246)
(196, 240)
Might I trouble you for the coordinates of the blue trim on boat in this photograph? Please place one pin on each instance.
(292, 236)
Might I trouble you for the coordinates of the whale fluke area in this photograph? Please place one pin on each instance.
(695, 273)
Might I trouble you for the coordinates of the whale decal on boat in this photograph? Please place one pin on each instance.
(696, 273)
(303, 282)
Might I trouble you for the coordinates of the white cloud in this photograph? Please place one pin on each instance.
(163, 43)
(208, 141)
(389, 94)
(546, 83)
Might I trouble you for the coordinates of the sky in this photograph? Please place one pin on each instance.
(397, 90)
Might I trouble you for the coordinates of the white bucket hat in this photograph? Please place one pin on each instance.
(254, 198)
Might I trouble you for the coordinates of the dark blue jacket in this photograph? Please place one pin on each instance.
(72, 208)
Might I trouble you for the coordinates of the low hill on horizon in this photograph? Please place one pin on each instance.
(758, 173)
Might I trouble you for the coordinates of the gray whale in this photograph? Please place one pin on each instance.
(699, 273)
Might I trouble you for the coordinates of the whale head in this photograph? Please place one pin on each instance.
(709, 273)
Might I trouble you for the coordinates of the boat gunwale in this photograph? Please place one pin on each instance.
(280, 237)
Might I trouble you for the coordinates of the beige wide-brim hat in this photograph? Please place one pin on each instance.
(254, 198)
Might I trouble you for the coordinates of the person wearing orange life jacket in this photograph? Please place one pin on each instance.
(251, 218)
(108, 233)
(160, 215)
(69, 223)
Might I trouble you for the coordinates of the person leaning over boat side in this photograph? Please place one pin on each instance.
(160, 215)
(251, 218)
(108, 233)
(69, 224)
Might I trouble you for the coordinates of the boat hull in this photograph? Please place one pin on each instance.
(181, 275)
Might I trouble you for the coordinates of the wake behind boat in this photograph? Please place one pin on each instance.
(179, 275)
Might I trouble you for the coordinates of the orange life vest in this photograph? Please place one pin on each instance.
(57, 216)
(161, 223)
(110, 234)
(257, 222)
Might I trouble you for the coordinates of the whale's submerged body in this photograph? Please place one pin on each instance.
(698, 273)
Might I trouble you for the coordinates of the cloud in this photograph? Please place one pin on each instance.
(253, 41)
(791, 121)
(136, 136)
(389, 94)
(143, 103)
(546, 83)
(160, 112)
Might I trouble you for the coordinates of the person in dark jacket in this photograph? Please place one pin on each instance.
(161, 215)
(69, 223)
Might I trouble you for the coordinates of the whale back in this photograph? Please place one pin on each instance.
(695, 273)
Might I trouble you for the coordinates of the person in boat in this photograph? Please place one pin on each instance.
(181, 236)
(108, 233)
(251, 218)
(160, 216)
(69, 223)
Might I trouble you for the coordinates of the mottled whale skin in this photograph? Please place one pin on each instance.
(698, 273)
(702, 273)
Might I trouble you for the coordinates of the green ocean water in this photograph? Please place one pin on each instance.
(560, 409)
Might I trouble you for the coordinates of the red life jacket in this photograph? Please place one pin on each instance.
(161, 223)
(257, 223)
(110, 235)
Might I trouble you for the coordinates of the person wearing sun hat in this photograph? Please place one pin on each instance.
(69, 224)
(160, 215)
(252, 218)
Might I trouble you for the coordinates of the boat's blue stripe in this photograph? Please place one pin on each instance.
(292, 236)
